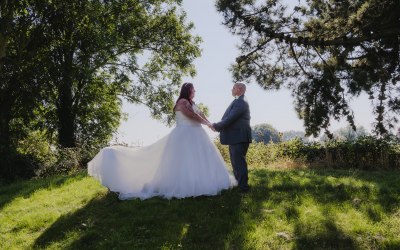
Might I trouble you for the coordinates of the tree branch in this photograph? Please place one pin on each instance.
(244, 57)
(319, 42)
(297, 61)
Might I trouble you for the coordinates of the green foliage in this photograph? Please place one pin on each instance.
(260, 154)
(224, 150)
(204, 109)
(69, 160)
(14, 166)
(21, 78)
(290, 135)
(98, 116)
(37, 144)
(296, 150)
(367, 152)
(35, 157)
(131, 49)
(348, 134)
(364, 153)
(65, 67)
(326, 52)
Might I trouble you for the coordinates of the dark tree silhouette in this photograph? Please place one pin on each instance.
(325, 51)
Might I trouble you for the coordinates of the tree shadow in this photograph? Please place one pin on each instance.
(25, 188)
(106, 222)
(330, 237)
(387, 189)
(326, 189)
(384, 190)
(223, 221)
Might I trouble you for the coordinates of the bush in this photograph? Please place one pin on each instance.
(366, 152)
(68, 160)
(224, 150)
(16, 166)
(37, 145)
(34, 155)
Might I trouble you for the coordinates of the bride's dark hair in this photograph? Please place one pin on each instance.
(185, 93)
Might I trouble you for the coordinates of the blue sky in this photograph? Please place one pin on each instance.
(213, 84)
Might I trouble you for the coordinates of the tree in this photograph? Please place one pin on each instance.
(102, 43)
(347, 134)
(65, 67)
(290, 135)
(265, 133)
(325, 51)
(20, 74)
(89, 55)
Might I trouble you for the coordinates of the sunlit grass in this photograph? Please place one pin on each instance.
(28, 208)
(285, 209)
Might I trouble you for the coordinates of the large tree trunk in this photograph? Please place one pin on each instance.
(7, 101)
(66, 116)
(4, 109)
(4, 125)
(2, 51)
(6, 168)
(66, 119)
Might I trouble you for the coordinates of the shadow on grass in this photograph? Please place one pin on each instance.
(380, 186)
(225, 221)
(377, 195)
(26, 188)
(106, 223)
(387, 188)
(331, 237)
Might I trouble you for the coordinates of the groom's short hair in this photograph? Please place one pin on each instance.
(241, 86)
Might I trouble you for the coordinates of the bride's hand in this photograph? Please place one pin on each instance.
(211, 127)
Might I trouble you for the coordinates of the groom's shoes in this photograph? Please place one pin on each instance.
(244, 190)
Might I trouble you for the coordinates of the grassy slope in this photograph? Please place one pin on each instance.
(291, 209)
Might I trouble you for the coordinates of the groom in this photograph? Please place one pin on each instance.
(235, 131)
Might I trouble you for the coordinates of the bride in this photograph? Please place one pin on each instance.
(184, 163)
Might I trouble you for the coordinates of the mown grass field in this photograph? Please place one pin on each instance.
(285, 209)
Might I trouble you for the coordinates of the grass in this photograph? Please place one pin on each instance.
(286, 209)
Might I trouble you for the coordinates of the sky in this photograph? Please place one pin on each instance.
(213, 84)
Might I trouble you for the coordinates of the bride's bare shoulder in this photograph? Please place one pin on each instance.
(183, 101)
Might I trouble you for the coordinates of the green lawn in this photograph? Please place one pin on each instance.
(288, 209)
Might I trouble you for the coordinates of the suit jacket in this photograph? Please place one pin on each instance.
(234, 126)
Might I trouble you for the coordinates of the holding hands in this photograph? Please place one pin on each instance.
(211, 126)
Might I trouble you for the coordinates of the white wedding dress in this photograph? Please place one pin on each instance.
(184, 163)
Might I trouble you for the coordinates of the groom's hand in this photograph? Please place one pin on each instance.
(211, 127)
(214, 127)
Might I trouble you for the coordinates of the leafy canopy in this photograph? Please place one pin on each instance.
(325, 51)
(82, 58)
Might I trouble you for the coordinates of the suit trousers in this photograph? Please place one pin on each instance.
(237, 153)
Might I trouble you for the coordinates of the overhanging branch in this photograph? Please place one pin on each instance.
(258, 25)
(297, 61)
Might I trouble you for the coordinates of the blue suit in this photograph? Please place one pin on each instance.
(235, 131)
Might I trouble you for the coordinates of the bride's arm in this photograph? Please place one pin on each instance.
(187, 110)
(209, 124)
(201, 113)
